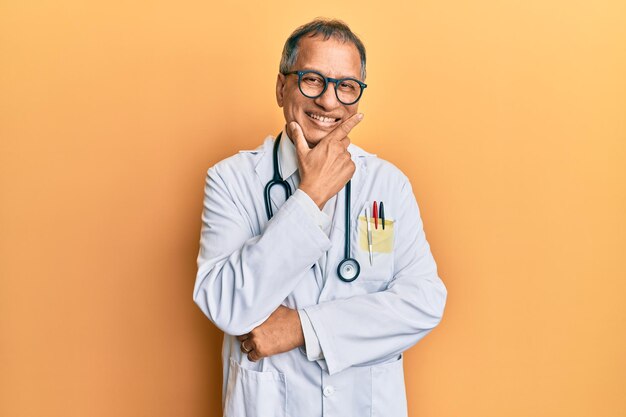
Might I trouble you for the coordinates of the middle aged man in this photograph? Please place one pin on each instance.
(318, 294)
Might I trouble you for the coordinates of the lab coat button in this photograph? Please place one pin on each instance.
(329, 390)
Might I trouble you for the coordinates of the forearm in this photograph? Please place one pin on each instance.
(241, 279)
(371, 327)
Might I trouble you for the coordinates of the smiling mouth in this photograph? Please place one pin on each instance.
(323, 120)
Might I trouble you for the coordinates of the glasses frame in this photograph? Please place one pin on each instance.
(326, 81)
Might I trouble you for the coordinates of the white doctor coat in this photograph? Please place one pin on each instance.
(248, 266)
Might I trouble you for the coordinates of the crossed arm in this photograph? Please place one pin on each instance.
(243, 297)
(374, 326)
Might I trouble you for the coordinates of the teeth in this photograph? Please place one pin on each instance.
(321, 118)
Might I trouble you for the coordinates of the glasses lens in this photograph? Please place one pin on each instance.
(312, 84)
(348, 91)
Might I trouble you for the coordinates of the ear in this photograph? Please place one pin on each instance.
(280, 89)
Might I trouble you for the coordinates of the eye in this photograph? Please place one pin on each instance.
(348, 85)
(313, 79)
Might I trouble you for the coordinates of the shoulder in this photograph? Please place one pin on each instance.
(242, 162)
(376, 166)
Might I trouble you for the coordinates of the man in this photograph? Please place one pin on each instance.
(307, 333)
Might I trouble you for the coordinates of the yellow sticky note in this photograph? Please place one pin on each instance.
(382, 240)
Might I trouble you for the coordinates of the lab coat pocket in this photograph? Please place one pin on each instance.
(251, 393)
(381, 267)
(388, 393)
(382, 239)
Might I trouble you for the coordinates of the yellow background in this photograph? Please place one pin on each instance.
(507, 116)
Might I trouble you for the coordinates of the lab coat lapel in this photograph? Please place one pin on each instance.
(265, 172)
(358, 182)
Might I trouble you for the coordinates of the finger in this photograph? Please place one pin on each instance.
(253, 356)
(243, 337)
(247, 346)
(344, 128)
(302, 147)
(345, 142)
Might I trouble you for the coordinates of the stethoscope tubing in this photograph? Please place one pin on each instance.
(276, 180)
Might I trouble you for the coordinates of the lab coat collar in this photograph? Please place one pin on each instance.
(287, 156)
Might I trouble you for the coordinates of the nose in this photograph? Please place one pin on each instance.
(328, 100)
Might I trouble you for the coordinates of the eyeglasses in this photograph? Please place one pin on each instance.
(312, 84)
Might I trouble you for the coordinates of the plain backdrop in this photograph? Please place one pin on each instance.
(507, 116)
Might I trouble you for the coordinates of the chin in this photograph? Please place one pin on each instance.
(313, 136)
(314, 133)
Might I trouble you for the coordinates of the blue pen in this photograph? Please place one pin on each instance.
(381, 213)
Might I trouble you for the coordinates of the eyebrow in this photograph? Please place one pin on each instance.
(355, 77)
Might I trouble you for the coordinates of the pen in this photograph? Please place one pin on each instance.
(375, 215)
(382, 214)
(369, 234)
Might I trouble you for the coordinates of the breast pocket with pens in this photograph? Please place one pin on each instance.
(381, 237)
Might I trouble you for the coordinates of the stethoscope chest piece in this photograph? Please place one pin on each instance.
(348, 270)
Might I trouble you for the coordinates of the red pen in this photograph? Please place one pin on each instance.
(375, 215)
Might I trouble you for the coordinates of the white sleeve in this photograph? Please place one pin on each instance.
(243, 278)
(312, 348)
(321, 218)
(383, 324)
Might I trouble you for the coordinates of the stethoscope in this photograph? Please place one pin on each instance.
(349, 268)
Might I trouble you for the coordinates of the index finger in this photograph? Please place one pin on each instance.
(344, 128)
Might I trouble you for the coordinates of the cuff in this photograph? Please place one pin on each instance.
(321, 218)
(312, 348)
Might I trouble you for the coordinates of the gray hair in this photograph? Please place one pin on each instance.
(326, 28)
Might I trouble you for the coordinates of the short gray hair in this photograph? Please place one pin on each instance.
(327, 28)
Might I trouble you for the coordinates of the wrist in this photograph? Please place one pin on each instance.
(299, 333)
(313, 195)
